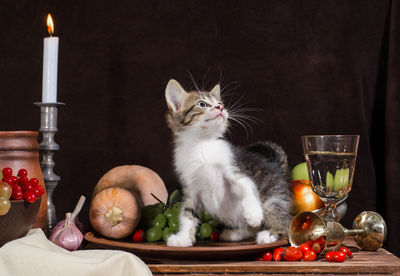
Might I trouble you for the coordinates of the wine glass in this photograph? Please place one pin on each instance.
(331, 160)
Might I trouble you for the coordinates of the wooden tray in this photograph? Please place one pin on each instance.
(205, 250)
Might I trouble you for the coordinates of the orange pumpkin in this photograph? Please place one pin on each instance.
(115, 209)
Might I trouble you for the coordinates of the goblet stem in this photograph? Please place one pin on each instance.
(330, 213)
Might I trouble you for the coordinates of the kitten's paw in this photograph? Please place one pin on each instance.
(179, 240)
(265, 237)
(253, 215)
(234, 235)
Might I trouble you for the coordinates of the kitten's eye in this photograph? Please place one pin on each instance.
(202, 104)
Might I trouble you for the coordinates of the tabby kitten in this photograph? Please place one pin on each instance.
(246, 189)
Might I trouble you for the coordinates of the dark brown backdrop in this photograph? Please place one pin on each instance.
(314, 67)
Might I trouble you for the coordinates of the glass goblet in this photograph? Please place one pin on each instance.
(331, 160)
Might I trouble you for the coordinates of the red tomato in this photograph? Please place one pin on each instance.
(346, 251)
(214, 236)
(329, 256)
(321, 241)
(306, 225)
(277, 254)
(292, 254)
(309, 243)
(309, 256)
(138, 236)
(317, 248)
(267, 256)
(339, 257)
(304, 247)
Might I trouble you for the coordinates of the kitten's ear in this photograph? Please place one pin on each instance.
(216, 92)
(175, 95)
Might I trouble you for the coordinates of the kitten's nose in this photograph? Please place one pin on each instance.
(219, 107)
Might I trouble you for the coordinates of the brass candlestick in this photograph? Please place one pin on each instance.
(369, 231)
(48, 128)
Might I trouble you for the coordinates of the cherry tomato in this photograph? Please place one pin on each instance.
(292, 254)
(267, 256)
(339, 257)
(346, 251)
(306, 225)
(309, 243)
(214, 236)
(138, 236)
(304, 247)
(277, 254)
(329, 256)
(317, 248)
(309, 256)
(321, 241)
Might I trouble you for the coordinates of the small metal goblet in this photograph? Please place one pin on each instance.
(369, 231)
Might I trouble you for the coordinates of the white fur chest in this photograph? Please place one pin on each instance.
(202, 167)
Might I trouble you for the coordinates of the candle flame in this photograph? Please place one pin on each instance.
(50, 24)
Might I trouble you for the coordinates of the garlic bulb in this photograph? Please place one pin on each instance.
(67, 235)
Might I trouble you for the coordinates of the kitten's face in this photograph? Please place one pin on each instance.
(202, 114)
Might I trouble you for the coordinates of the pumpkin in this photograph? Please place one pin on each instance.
(118, 197)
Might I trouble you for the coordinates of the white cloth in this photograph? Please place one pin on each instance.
(35, 255)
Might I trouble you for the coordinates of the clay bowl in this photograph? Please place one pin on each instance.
(18, 221)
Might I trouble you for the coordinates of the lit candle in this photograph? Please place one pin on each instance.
(50, 62)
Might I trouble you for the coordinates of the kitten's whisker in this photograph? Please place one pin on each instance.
(229, 84)
(244, 124)
(194, 83)
(204, 78)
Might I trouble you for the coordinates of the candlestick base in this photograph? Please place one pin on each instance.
(48, 128)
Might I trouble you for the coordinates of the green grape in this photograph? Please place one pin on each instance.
(4, 205)
(204, 216)
(174, 197)
(5, 190)
(166, 233)
(153, 234)
(149, 212)
(205, 231)
(160, 221)
(214, 223)
(170, 212)
(177, 206)
(173, 223)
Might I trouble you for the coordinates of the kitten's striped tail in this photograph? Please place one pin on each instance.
(272, 152)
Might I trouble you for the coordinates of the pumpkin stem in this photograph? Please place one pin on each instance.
(114, 215)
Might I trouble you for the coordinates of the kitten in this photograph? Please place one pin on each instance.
(246, 189)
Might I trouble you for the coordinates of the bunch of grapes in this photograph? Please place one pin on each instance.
(17, 188)
(160, 220)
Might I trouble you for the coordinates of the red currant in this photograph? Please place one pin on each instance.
(9, 180)
(30, 196)
(16, 187)
(28, 187)
(35, 189)
(22, 172)
(17, 194)
(34, 181)
(23, 180)
(7, 172)
(41, 190)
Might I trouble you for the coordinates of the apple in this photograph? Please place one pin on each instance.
(300, 172)
(303, 196)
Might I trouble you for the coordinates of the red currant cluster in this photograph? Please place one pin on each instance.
(22, 186)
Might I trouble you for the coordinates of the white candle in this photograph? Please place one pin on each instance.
(50, 64)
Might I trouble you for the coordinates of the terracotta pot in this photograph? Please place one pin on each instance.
(20, 149)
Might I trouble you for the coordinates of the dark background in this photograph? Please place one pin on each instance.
(313, 67)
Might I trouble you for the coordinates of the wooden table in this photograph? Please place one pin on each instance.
(380, 262)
